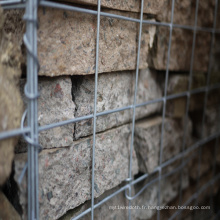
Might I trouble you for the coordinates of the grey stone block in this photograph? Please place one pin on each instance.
(147, 141)
(67, 43)
(180, 51)
(115, 90)
(65, 173)
(149, 198)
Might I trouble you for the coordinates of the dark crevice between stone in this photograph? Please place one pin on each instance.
(138, 175)
(11, 191)
(148, 117)
(76, 82)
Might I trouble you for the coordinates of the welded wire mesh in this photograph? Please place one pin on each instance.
(32, 130)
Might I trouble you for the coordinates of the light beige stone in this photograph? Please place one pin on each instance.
(65, 173)
(15, 25)
(10, 99)
(67, 43)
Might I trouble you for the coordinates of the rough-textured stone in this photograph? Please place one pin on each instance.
(179, 83)
(169, 190)
(65, 173)
(67, 43)
(203, 200)
(7, 211)
(150, 6)
(115, 90)
(147, 141)
(104, 211)
(11, 102)
(54, 105)
(14, 24)
(180, 51)
(211, 124)
(205, 163)
(184, 12)
(216, 55)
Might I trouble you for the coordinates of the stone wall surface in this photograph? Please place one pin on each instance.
(207, 154)
(54, 105)
(115, 90)
(64, 99)
(211, 121)
(180, 50)
(147, 141)
(67, 40)
(150, 6)
(203, 200)
(184, 12)
(65, 170)
(10, 99)
(169, 190)
(67, 54)
(103, 211)
(7, 211)
(14, 25)
(59, 55)
(178, 83)
(67, 43)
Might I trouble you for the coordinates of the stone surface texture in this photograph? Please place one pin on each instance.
(150, 6)
(203, 199)
(67, 43)
(10, 99)
(211, 124)
(54, 105)
(66, 40)
(180, 51)
(65, 173)
(67, 54)
(7, 211)
(169, 190)
(103, 211)
(178, 83)
(14, 24)
(115, 90)
(184, 12)
(147, 141)
(208, 153)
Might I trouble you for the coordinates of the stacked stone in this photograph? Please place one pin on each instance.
(10, 112)
(66, 50)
